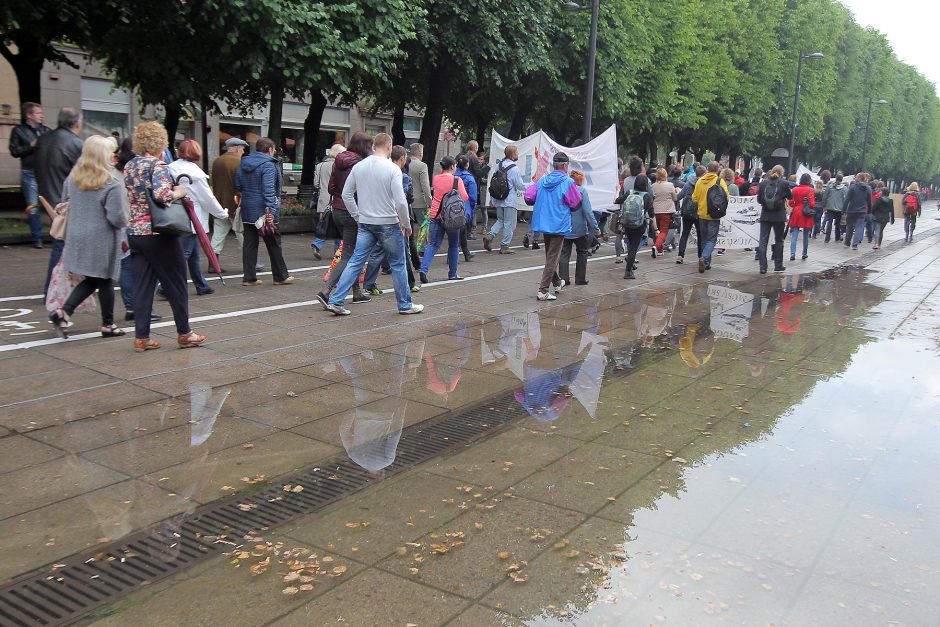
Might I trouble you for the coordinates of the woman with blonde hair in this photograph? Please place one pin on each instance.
(93, 233)
(155, 256)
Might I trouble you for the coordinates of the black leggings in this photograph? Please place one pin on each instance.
(153, 258)
(85, 289)
(350, 229)
(633, 244)
(687, 224)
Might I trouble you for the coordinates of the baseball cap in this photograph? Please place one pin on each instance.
(560, 157)
(235, 141)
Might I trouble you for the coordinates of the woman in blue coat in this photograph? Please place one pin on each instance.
(583, 224)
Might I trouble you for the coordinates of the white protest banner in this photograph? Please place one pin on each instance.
(740, 227)
(730, 312)
(597, 159)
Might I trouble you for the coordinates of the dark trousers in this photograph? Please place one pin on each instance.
(633, 237)
(582, 247)
(553, 244)
(127, 284)
(159, 258)
(687, 225)
(413, 248)
(836, 218)
(463, 241)
(765, 229)
(250, 254)
(350, 229)
(85, 289)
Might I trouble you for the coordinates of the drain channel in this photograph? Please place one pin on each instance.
(78, 585)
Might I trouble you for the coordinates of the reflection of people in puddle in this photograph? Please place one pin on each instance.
(696, 347)
(444, 371)
(371, 436)
(792, 297)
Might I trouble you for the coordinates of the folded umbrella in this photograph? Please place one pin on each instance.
(201, 235)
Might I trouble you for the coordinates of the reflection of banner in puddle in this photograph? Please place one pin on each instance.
(740, 227)
(586, 386)
(730, 312)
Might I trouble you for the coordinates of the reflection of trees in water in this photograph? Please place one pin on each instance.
(765, 362)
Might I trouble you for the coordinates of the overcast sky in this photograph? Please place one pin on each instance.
(912, 27)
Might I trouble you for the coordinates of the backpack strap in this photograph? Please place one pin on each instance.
(455, 183)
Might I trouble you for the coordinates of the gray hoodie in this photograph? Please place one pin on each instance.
(834, 197)
(374, 193)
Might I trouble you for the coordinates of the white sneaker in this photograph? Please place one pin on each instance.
(546, 296)
(558, 289)
(415, 309)
(338, 310)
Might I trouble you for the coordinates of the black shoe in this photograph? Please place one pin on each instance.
(455, 278)
(361, 298)
(205, 292)
(128, 316)
(316, 253)
(792, 257)
(471, 236)
(423, 277)
(525, 241)
(629, 275)
(470, 257)
(535, 246)
(584, 282)
(37, 244)
(323, 298)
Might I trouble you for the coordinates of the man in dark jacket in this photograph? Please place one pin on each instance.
(258, 180)
(55, 155)
(857, 207)
(23, 141)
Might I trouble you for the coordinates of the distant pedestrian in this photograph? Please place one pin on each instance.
(664, 208)
(55, 154)
(505, 186)
(223, 187)
(688, 210)
(554, 197)
(803, 202)
(374, 197)
(258, 180)
(636, 212)
(772, 196)
(709, 225)
(154, 256)
(321, 180)
(834, 204)
(420, 182)
(443, 183)
(96, 220)
(465, 173)
(912, 210)
(882, 212)
(857, 207)
(204, 203)
(583, 227)
(23, 140)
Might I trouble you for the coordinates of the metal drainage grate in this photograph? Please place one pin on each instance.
(78, 585)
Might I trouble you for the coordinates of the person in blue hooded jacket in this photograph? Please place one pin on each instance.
(258, 180)
(470, 183)
(583, 226)
(554, 197)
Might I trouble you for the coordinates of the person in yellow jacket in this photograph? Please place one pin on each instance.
(708, 225)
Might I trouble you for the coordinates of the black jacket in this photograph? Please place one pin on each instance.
(784, 193)
(883, 209)
(56, 152)
(20, 140)
(858, 200)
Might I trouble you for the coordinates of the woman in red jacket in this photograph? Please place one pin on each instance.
(803, 203)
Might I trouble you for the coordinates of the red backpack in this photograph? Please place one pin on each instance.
(753, 190)
(910, 204)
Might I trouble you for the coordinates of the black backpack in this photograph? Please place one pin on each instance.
(717, 201)
(499, 184)
(688, 207)
(453, 212)
(770, 195)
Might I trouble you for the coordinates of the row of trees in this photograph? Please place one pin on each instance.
(706, 75)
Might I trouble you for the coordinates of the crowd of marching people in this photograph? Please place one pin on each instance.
(131, 214)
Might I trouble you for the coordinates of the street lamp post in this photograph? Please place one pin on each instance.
(867, 126)
(592, 59)
(796, 104)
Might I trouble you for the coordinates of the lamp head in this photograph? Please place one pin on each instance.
(815, 55)
(881, 102)
(571, 6)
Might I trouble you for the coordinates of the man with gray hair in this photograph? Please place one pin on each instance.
(420, 182)
(504, 188)
(55, 155)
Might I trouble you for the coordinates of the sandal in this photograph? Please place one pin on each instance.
(145, 345)
(112, 331)
(190, 339)
(61, 323)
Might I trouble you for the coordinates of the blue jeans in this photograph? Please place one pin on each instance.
(31, 193)
(855, 229)
(795, 232)
(436, 234)
(390, 237)
(505, 224)
(318, 244)
(127, 284)
(191, 255)
(374, 266)
(709, 230)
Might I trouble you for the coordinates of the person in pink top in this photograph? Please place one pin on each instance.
(443, 183)
(803, 196)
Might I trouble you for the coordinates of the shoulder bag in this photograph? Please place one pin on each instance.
(167, 219)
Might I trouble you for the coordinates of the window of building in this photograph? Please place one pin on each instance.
(105, 109)
(375, 129)
(251, 133)
(412, 125)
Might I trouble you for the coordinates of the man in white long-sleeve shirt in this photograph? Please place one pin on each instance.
(375, 198)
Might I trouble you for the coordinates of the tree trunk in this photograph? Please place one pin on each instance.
(519, 117)
(438, 86)
(699, 154)
(653, 148)
(27, 65)
(311, 128)
(481, 132)
(398, 125)
(172, 123)
(275, 112)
